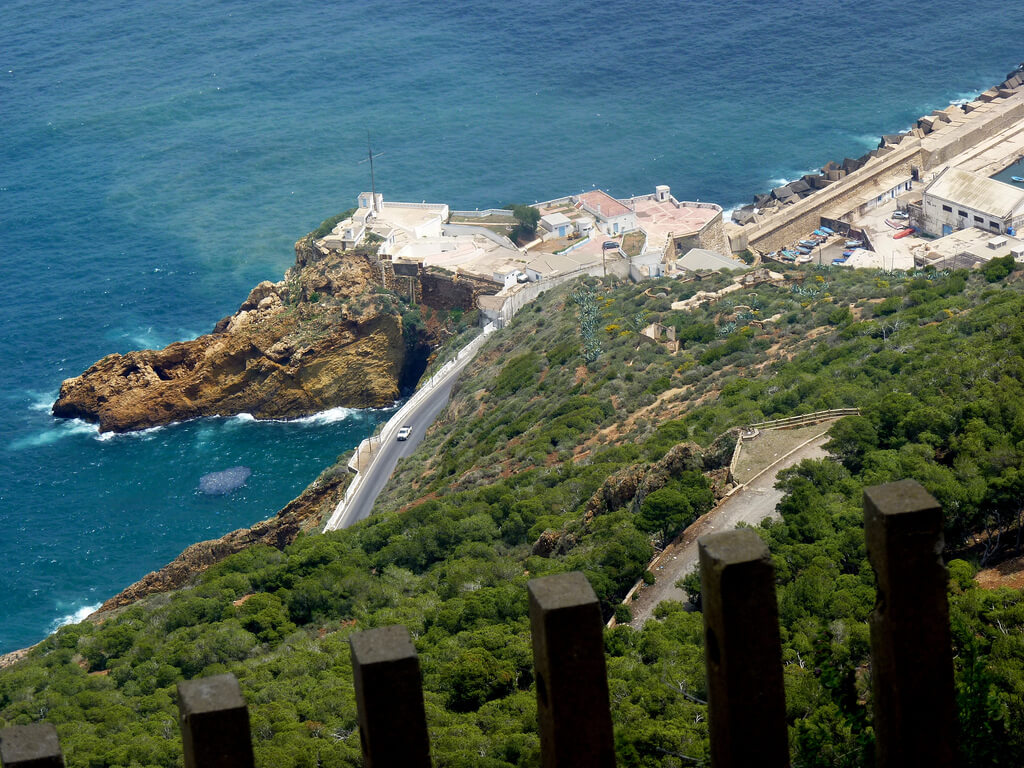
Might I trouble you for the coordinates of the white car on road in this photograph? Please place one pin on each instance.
(404, 432)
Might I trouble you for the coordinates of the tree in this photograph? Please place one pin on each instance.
(527, 218)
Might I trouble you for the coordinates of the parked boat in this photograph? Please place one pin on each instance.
(788, 256)
(839, 262)
(827, 231)
(1018, 179)
(803, 259)
(904, 233)
(803, 250)
(895, 224)
(847, 254)
(808, 243)
(822, 233)
(854, 243)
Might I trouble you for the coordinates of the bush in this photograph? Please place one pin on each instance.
(328, 224)
(622, 614)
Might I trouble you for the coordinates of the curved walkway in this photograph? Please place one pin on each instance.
(750, 505)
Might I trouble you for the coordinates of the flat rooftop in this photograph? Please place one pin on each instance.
(978, 192)
(407, 218)
(966, 247)
(659, 219)
(603, 204)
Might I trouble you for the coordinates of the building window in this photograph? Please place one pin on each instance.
(963, 213)
(979, 219)
(947, 208)
(994, 225)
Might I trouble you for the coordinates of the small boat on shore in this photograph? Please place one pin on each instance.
(904, 233)
(788, 256)
(854, 243)
(838, 262)
(827, 231)
(803, 259)
(847, 254)
(895, 224)
(820, 232)
(1018, 179)
(803, 250)
(808, 243)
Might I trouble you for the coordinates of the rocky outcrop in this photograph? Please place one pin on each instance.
(301, 514)
(633, 483)
(323, 337)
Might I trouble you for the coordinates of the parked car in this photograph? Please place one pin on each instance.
(404, 432)
(900, 215)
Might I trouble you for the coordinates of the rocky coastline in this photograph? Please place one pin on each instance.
(329, 334)
(323, 337)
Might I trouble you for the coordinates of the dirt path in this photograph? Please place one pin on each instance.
(749, 505)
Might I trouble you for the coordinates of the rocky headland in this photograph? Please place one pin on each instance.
(325, 336)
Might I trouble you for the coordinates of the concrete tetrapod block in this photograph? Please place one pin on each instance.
(214, 723)
(30, 746)
(743, 652)
(911, 647)
(389, 699)
(572, 683)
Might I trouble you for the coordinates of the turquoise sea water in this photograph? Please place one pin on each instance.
(157, 160)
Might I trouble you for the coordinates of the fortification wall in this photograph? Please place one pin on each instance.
(943, 145)
(804, 216)
(446, 292)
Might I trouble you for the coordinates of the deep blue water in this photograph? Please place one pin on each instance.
(159, 159)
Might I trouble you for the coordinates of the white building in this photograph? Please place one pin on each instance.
(557, 224)
(613, 217)
(957, 199)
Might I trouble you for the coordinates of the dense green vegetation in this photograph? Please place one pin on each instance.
(533, 433)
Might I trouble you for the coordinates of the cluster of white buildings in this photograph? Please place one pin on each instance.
(576, 233)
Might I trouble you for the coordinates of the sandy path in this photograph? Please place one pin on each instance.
(750, 505)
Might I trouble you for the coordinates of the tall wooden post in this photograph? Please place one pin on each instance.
(743, 652)
(30, 746)
(214, 723)
(911, 653)
(389, 699)
(572, 684)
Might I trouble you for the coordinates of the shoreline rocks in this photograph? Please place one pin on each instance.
(323, 337)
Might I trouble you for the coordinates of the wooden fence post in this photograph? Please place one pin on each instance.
(30, 746)
(389, 698)
(911, 653)
(214, 723)
(572, 683)
(743, 652)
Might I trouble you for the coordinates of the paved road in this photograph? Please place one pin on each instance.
(749, 505)
(378, 473)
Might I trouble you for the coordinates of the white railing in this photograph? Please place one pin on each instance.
(504, 212)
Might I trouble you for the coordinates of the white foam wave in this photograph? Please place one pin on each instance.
(75, 617)
(138, 434)
(58, 431)
(331, 416)
(41, 401)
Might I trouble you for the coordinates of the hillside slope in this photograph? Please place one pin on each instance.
(572, 444)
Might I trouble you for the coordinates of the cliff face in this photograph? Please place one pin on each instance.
(321, 338)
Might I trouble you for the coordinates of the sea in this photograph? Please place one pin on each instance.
(159, 159)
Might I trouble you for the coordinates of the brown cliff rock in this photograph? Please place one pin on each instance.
(321, 338)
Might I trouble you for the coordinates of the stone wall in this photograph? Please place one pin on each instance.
(711, 237)
(804, 216)
(446, 292)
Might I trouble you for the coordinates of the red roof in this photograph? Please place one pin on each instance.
(607, 207)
